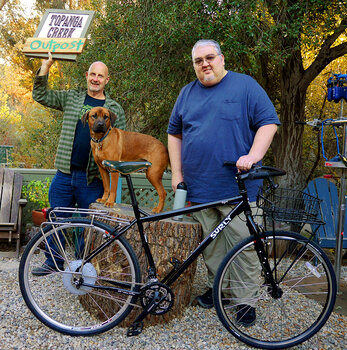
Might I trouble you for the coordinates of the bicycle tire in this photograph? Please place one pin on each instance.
(55, 298)
(281, 321)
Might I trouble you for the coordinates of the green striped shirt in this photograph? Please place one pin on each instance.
(71, 102)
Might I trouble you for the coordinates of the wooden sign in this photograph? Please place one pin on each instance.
(61, 32)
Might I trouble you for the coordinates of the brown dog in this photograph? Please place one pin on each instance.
(110, 143)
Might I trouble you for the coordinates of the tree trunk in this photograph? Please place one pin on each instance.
(287, 144)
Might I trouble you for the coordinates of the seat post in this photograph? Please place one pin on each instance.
(151, 265)
(134, 202)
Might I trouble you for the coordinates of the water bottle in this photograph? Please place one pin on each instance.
(180, 199)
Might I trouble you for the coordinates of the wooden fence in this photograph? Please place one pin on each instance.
(146, 194)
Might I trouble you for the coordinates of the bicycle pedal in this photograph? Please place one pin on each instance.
(135, 329)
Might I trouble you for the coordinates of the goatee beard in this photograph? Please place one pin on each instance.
(209, 78)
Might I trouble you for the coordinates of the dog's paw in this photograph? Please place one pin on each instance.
(100, 200)
(109, 204)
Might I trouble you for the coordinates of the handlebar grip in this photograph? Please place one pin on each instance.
(230, 163)
(300, 123)
(233, 163)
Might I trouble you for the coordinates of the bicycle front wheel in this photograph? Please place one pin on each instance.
(68, 291)
(249, 308)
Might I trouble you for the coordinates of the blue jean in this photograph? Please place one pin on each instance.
(69, 190)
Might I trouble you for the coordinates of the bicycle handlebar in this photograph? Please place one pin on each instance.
(257, 172)
(319, 122)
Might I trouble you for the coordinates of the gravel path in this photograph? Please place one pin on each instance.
(198, 329)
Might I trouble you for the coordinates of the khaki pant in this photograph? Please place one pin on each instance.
(248, 269)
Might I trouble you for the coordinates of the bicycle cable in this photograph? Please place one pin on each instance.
(322, 139)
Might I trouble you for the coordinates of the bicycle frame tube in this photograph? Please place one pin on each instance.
(175, 273)
(192, 209)
(168, 214)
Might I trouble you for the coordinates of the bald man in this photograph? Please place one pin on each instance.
(77, 180)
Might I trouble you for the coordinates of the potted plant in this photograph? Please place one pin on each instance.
(36, 191)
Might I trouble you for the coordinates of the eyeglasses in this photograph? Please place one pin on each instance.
(209, 58)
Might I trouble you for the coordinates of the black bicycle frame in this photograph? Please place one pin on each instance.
(241, 205)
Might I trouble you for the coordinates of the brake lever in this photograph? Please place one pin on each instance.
(272, 186)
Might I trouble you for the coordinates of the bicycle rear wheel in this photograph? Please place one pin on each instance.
(307, 292)
(77, 298)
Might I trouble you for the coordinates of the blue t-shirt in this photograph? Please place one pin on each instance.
(81, 144)
(218, 124)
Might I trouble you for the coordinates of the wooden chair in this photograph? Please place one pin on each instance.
(11, 205)
(327, 192)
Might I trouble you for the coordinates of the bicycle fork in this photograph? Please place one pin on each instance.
(259, 246)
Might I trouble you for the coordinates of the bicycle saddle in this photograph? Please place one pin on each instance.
(124, 168)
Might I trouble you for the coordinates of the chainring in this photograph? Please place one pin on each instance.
(148, 293)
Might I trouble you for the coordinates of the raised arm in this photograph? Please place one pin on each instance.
(42, 94)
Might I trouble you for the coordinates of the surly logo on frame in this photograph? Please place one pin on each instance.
(220, 227)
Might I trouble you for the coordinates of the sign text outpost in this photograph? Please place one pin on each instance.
(57, 45)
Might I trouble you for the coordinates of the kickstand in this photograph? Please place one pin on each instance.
(135, 329)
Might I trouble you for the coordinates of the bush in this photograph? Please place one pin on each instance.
(36, 191)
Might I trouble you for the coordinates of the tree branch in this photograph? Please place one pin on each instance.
(332, 38)
(326, 55)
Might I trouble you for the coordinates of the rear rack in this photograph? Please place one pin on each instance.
(98, 214)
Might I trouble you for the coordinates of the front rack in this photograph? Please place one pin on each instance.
(289, 205)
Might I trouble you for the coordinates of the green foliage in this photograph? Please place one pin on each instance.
(36, 192)
(147, 46)
(39, 136)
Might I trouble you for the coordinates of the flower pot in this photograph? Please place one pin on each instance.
(38, 217)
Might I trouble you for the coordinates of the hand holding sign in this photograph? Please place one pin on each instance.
(46, 65)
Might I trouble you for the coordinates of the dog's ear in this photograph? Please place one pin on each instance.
(84, 118)
(113, 117)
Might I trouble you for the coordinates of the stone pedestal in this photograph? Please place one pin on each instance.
(167, 239)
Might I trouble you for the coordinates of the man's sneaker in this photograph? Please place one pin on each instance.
(246, 315)
(43, 270)
(205, 300)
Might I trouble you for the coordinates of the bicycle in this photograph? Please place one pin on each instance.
(291, 270)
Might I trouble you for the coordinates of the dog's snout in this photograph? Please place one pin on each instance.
(99, 126)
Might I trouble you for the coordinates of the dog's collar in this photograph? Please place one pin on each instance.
(102, 139)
